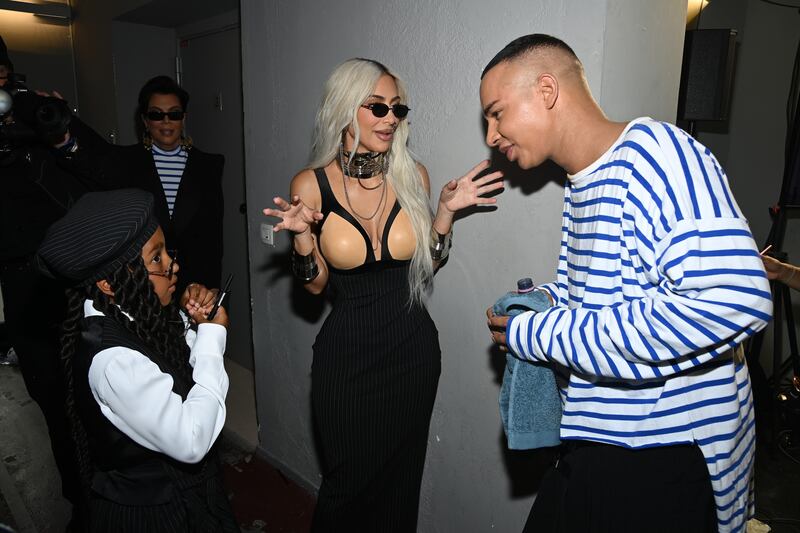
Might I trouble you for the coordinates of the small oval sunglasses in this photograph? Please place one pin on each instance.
(381, 110)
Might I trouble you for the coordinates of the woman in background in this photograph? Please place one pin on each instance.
(362, 223)
(185, 181)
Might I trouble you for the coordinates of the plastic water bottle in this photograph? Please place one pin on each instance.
(525, 298)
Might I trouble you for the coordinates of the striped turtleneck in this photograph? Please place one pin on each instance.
(170, 165)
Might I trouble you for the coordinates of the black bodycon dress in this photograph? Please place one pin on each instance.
(374, 378)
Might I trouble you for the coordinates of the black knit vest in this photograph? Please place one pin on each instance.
(124, 471)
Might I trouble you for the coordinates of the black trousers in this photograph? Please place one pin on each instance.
(34, 308)
(602, 488)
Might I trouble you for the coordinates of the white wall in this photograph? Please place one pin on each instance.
(439, 47)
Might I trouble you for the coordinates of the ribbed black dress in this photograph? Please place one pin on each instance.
(374, 378)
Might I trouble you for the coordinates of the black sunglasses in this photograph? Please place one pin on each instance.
(381, 110)
(159, 115)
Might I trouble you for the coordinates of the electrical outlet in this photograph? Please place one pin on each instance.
(267, 234)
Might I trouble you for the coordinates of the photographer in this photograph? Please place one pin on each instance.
(46, 164)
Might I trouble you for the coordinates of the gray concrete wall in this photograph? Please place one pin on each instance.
(439, 47)
(93, 42)
(121, 55)
(139, 52)
(641, 82)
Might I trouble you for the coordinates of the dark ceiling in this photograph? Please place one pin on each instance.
(174, 13)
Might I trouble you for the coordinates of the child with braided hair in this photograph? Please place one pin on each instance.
(145, 393)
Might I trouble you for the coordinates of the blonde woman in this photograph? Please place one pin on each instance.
(362, 223)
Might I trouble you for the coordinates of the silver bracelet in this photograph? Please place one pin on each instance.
(304, 267)
(440, 244)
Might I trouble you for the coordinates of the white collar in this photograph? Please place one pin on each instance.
(89, 310)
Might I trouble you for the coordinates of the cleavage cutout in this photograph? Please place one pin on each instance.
(345, 244)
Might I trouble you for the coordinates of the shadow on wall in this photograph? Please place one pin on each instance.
(304, 304)
(524, 468)
(527, 181)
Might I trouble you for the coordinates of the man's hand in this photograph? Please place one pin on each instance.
(497, 327)
(783, 272)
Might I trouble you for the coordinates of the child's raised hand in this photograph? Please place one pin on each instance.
(197, 295)
(198, 302)
(198, 314)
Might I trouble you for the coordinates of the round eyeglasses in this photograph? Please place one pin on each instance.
(173, 254)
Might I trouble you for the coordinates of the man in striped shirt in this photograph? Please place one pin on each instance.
(658, 283)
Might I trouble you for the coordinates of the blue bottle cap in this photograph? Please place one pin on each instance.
(525, 285)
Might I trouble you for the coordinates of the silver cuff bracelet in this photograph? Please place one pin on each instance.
(304, 267)
(440, 244)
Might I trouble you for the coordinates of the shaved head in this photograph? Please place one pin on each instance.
(540, 53)
(538, 105)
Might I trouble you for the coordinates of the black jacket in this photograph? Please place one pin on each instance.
(38, 184)
(195, 228)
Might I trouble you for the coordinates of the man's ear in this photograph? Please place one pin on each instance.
(105, 288)
(548, 88)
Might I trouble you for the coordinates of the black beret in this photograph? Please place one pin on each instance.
(100, 233)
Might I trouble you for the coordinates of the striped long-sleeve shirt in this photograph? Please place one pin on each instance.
(170, 166)
(658, 282)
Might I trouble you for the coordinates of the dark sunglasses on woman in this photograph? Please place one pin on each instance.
(159, 115)
(381, 110)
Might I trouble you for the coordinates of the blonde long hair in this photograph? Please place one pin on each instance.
(349, 86)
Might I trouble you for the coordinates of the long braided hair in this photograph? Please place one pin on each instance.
(159, 327)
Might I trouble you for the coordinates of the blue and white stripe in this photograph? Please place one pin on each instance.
(170, 165)
(658, 283)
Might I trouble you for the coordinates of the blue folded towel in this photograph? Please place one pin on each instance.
(530, 405)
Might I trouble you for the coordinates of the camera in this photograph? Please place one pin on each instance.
(28, 118)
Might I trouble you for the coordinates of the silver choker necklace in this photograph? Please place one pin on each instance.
(363, 165)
